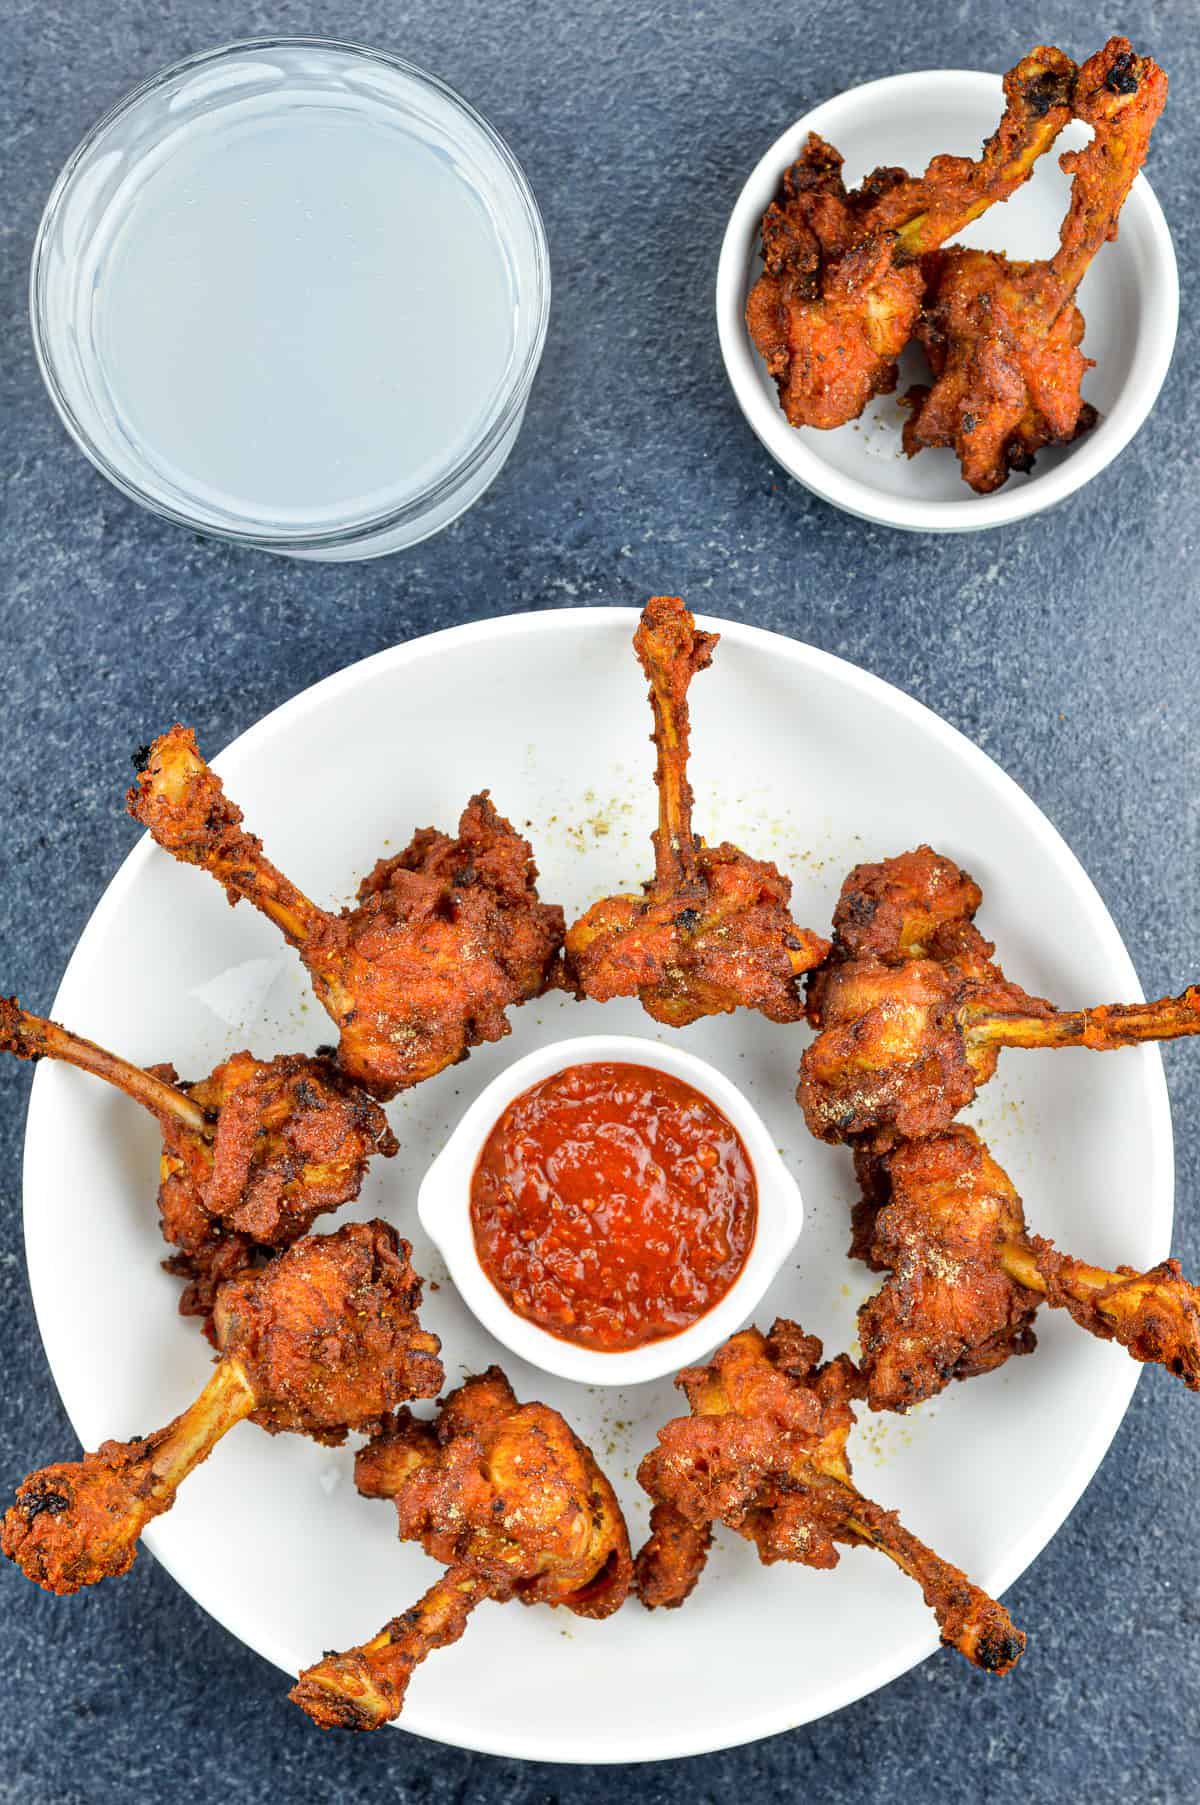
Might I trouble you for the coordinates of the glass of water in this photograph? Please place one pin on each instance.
(293, 294)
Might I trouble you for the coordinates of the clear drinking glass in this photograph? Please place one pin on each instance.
(293, 293)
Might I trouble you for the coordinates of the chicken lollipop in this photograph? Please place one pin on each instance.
(513, 1506)
(912, 1012)
(712, 931)
(764, 1451)
(251, 1155)
(965, 1277)
(842, 287)
(323, 1340)
(1003, 337)
(444, 937)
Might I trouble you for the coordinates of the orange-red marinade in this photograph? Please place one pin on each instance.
(613, 1205)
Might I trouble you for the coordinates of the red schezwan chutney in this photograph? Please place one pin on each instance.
(613, 1205)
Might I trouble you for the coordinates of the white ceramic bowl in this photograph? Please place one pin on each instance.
(444, 1206)
(1129, 298)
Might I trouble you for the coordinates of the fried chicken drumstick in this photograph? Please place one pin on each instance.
(444, 937)
(251, 1155)
(510, 1502)
(842, 287)
(764, 1451)
(912, 1012)
(712, 931)
(323, 1340)
(965, 1277)
(1002, 337)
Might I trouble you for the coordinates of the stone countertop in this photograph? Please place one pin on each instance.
(1065, 646)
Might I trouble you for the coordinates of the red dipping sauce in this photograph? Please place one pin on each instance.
(613, 1205)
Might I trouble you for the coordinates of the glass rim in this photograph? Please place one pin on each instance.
(442, 487)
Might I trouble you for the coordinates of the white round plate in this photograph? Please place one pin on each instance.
(801, 758)
(1129, 298)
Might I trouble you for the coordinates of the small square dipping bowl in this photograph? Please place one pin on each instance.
(444, 1206)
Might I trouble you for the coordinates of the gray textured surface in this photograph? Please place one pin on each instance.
(1066, 647)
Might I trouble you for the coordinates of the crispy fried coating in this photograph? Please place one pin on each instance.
(833, 308)
(671, 1560)
(323, 1340)
(327, 1335)
(764, 1451)
(511, 1502)
(912, 1011)
(293, 1138)
(896, 1055)
(251, 1155)
(509, 1489)
(893, 910)
(443, 939)
(712, 932)
(841, 291)
(1002, 337)
(949, 1308)
(1003, 388)
(965, 1278)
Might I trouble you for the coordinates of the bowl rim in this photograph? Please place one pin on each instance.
(444, 484)
(443, 1207)
(1158, 284)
